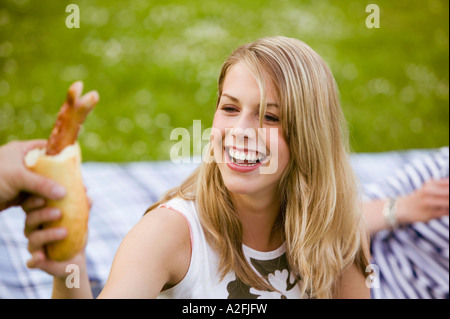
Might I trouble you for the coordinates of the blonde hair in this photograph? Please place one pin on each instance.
(320, 207)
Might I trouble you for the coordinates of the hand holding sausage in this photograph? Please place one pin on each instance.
(61, 162)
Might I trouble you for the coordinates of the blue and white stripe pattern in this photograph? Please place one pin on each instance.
(413, 260)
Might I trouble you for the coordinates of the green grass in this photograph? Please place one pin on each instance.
(155, 65)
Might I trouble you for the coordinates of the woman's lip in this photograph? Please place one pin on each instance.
(240, 168)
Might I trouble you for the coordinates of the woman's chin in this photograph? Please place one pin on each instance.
(242, 183)
(243, 187)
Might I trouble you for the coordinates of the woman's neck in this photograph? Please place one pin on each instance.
(260, 216)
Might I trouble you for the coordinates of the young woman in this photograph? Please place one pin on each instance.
(276, 214)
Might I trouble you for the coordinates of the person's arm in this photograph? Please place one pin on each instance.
(428, 202)
(352, 285)
(154, 255)
(63, 287)
(374, 215)
(16, 179)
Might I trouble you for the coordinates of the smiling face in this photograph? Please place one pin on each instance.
(253, 159)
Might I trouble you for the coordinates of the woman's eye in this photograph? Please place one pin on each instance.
(228, 108)
(271, 118)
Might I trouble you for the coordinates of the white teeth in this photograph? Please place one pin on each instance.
(252, 157)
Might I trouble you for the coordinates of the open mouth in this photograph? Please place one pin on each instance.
(245, 158)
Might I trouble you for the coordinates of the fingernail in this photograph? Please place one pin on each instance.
(36, 258)
(30, 263)
(58, 191)
(60, 232)
(37, 202)
(55, 213)
(33, 261)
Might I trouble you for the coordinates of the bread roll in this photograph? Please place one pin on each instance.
(64, 168)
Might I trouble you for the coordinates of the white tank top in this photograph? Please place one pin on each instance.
(202, 280)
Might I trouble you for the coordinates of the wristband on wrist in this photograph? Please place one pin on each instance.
(389, 213)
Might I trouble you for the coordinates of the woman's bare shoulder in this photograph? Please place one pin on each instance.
(157, 250)
(169, 219)
(167, 229)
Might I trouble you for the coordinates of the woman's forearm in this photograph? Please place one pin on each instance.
(75, 285)
(374, 215)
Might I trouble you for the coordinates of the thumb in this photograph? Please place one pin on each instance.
(43, 186)
(32, 144)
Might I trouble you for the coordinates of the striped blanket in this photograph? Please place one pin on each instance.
(413, 261)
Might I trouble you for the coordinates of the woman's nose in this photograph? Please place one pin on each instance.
(245, 127)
